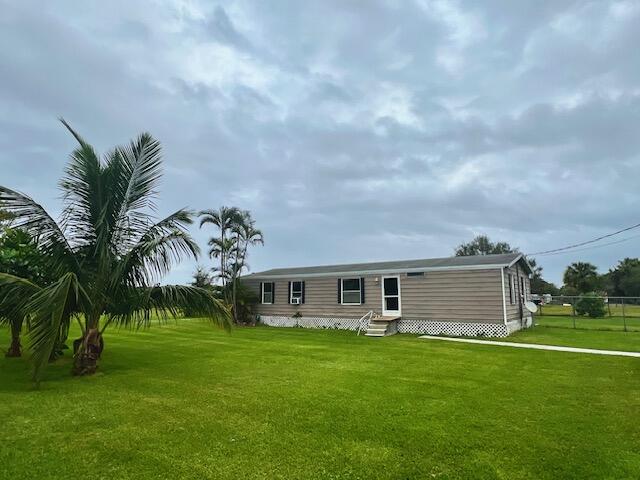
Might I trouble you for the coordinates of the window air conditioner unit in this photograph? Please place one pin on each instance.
(296, 301)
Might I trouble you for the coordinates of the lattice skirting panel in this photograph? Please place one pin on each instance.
(453, 329)
(336, 323)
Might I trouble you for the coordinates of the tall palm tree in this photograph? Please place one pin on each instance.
(223, 218)
(582, 276)
(108, 253)
(246, 234)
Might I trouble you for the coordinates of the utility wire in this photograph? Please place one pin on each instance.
(546, 252)
(592, 247)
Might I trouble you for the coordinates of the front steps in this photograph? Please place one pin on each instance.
(380, 326)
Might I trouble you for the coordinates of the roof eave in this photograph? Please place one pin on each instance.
(524, 260)
(378, 272)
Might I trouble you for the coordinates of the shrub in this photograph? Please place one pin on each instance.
(591, 305)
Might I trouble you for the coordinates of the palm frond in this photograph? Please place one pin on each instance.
(84, 194)
(72, 131)
(137, 306)
(224, 218)
(161, 246)
(14, 294)
(143, 161)
(31, 217)
(49, 307)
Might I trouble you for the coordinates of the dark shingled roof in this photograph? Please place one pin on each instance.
(449, 263)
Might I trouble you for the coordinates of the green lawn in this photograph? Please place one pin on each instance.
(586, 323)
(613, 309)
(189, 401)
(582, 338)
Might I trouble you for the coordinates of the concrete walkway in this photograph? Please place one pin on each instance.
(535, 346)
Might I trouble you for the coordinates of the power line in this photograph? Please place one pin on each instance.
(546, 252)
(592, 247)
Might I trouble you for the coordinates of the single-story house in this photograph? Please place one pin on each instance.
(471, 296)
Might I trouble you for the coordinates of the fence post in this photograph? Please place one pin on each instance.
(573, 310)
(624, 318)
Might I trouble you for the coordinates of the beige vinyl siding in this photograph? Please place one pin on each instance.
(321, 298)
(445, 296)
(453, 296)
(513, 311)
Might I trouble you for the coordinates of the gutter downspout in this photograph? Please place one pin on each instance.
(504, 301)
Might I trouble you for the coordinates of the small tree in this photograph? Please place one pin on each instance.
(202, 278)
(582, 277)
(590, 304)
(20, 257)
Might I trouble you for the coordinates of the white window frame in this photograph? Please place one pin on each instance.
(512, 289)
(384, 297)
(291, 296)
(273, 287)
(342, 302)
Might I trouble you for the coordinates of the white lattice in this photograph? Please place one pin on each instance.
(455, 329)
(337, 323)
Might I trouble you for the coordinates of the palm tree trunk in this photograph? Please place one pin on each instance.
(235, 281)
(88, 348)
(222, 261)
(15, 349)
(234, 302)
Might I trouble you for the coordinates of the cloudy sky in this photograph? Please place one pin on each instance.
(353, 130)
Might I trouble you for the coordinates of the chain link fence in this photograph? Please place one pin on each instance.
(618, 313)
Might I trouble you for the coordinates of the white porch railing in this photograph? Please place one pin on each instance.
(366, 318)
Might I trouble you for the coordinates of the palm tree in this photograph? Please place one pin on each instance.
(227, 251)
(582, 276)
(224, 219)
(107, 253)
(246, 234)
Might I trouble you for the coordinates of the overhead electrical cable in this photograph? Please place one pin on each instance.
(591, 247)
(568, 247)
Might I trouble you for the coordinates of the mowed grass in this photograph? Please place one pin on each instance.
(190, 401)
(611, 310)
(631, 324)
(582, 338)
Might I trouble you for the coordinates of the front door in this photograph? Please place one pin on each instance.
(391, 296)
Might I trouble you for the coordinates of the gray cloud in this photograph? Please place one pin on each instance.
(353, 130)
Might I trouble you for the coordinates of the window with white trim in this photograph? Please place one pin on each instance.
(512, 290)
(267, 292)
(296, 291)
(351, 291)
